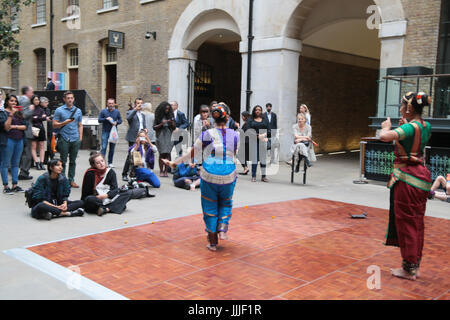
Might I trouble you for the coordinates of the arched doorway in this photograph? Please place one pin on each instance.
(205, 50)
(338, 69)
(218, 72)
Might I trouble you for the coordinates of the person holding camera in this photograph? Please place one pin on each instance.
(68, 119)
(136, 122)
(142, 155)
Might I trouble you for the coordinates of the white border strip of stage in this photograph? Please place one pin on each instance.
(72, 279)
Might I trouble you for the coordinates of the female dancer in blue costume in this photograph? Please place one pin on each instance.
(218, 174)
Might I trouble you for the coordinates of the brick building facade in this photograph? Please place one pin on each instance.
(318, 52)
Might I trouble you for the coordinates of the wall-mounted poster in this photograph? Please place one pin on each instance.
(59, 79)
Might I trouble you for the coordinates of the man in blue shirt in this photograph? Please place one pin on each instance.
(109, 117)
(68, 119)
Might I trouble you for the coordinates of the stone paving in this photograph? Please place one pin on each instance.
(300, 249)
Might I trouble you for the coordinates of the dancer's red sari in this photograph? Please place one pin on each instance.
(410, 184)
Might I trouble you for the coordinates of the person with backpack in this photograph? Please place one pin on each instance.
(49, 196)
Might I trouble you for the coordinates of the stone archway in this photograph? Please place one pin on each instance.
(202, 21)
(340, 27)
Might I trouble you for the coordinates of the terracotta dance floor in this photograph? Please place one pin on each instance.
(303, 249)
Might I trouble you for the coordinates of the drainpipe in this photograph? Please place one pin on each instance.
(52, 16)
(249, 55)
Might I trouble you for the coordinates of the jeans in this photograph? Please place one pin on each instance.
(144, 174)
(112, 146)
(11, 155)
(255, 166)
(69, 149)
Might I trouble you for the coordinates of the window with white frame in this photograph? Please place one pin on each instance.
(111, 54)
(40, 11)
(107, 4)
(72, 61)
(71, 4)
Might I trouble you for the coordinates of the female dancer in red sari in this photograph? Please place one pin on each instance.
(410, 183)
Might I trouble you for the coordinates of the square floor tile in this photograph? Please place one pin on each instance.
(433, 281)
(236, 280)
(299, 262)
(163, 291)
(344, 244)
(341, 286)
(261, 235)
(134, 271)
(194, 252)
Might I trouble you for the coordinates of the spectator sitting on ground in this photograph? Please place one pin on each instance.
(186, 176)
(51, 195)
(100, 191)
(142, 167)
(443, 183)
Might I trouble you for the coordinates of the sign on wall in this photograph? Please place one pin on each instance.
(116, 39)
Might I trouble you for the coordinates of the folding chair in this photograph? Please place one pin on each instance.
(305, 167)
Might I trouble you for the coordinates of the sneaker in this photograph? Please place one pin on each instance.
(47, 216)
(125, 178)
(18, 189)
(7, 190)
(77, 213)
(111, 165)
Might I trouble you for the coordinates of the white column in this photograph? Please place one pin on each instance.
(275, 64)
(392, 36)
(178, 76)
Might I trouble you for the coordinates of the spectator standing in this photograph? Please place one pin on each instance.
(245, 117)
(181, 123)
(15, 127)
(258, 145)
(26, 160)
(136, 123)
(109, 117)
(149, 113)
(304, 109)
(203, 122)
(68, 119)
(164, 126)
(50, 85)
(272, 144)
(44, 105)
(39, 139)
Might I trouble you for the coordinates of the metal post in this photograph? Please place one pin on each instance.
(362, 179)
